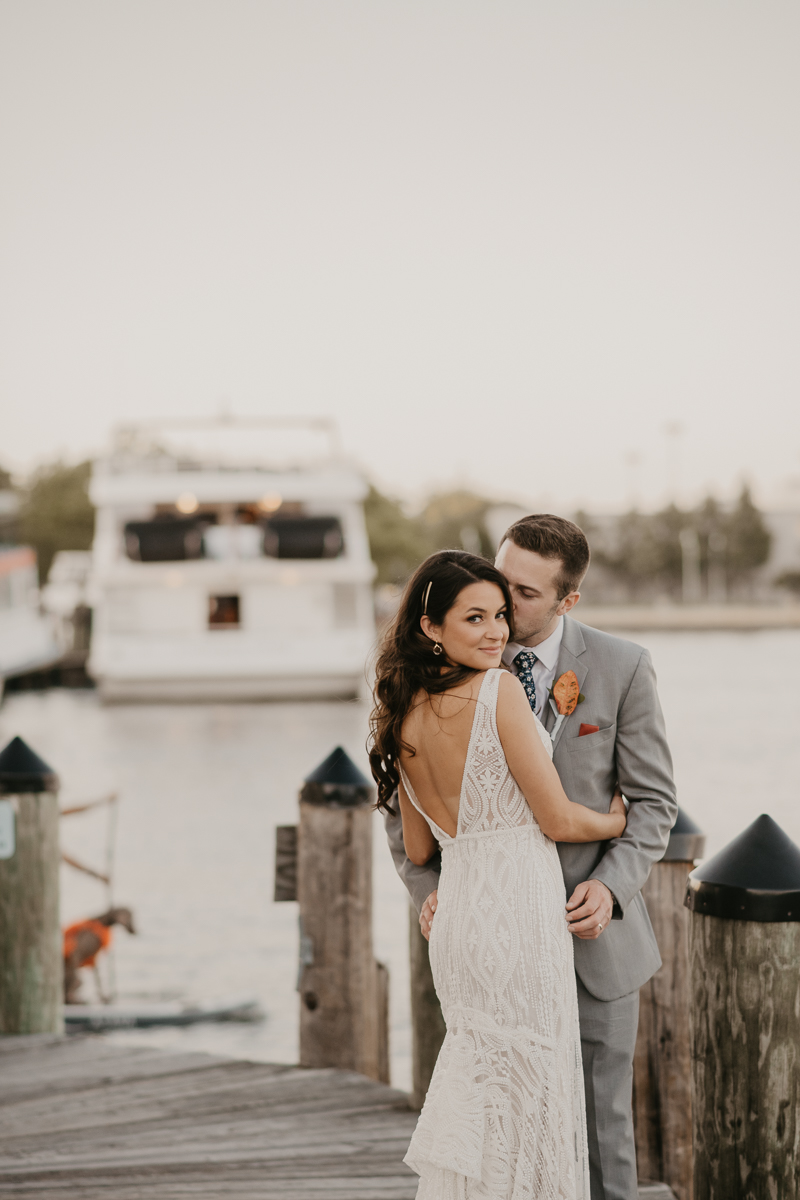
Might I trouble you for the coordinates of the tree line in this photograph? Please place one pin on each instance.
(650, 554)
(399, 541)
(54, 512)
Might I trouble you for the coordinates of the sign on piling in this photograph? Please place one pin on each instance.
(744, 954)
(31, 963)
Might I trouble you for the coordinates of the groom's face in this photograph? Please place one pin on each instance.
(533, 581)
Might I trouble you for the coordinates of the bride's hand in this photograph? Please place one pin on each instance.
(618, 809)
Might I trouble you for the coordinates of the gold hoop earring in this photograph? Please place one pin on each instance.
(437, 648)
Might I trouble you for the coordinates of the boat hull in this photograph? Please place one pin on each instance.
(231, 665)
(85, 1018)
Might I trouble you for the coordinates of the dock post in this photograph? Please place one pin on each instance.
(662, 1070)
(427, 1023)
(343, 991)
(31, 961)
(744, 955)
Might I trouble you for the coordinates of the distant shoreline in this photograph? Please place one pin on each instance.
(693, 617)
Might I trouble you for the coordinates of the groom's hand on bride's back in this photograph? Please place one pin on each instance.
(589, 909)
(426, 915)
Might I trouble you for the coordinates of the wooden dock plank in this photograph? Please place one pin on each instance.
(159, 1097)
(244, 1091)
(90, 1062)
(260, 1188)
(224, 1137)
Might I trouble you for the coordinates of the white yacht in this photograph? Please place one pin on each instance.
(224, 570)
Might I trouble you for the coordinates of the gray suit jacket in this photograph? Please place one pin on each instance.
(619, 683)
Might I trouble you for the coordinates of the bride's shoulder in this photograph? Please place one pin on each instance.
(511, 699)
(508, 684)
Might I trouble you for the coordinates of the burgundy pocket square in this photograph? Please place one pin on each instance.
(586, 729)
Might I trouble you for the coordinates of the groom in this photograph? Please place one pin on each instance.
(615, 734)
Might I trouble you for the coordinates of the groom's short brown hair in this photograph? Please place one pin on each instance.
(557, 538)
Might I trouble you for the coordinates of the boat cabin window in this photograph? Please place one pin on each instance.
(171, 538)
(167, 539)
(303, 537)
(223, 612)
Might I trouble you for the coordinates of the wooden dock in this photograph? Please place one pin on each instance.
(83, 1118)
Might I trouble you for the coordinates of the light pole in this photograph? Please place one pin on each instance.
(690, 561)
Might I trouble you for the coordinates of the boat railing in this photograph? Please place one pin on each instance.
(181, 444)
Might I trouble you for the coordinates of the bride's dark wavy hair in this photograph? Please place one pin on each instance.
(406, 662)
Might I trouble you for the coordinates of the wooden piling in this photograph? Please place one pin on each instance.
(744, 954)
(662, 1072)
(343, 991)
(382, 979)
(31, 962)
(427, 1023)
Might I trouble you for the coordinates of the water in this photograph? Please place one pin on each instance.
(203, 787)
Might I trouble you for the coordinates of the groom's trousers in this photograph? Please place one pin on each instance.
(608, 1039)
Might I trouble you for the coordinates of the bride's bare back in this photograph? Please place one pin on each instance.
(439, 729)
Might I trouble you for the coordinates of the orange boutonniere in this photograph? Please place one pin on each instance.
(565, 696)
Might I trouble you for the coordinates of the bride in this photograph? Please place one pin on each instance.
(454, 736)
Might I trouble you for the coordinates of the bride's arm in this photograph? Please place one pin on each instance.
(530, 765)
(418, 838)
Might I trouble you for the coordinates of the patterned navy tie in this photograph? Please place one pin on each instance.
(524, 663)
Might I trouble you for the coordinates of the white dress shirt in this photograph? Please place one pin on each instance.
(544, 669)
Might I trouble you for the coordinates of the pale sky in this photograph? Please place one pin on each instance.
(501, 243)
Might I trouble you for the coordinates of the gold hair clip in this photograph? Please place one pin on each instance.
(425, 601)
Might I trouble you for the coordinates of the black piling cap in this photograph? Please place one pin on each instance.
(337, 783)
(755, 878)
(686, 841)
(21, 770)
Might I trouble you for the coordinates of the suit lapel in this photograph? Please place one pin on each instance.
(569, 659)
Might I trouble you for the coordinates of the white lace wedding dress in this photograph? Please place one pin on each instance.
(504, 1117)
